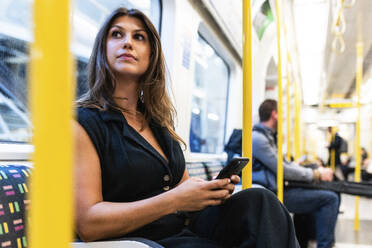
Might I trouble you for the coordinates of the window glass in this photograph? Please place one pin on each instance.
(15, 37)
(14, 123)
(209, 100)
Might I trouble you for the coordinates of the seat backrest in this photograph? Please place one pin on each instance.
(196, 169)
(204, 170)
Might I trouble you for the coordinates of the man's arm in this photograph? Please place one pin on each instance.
(263, 151)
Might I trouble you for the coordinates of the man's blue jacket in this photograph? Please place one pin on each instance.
(265, 160)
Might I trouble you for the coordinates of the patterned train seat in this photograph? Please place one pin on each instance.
(13, 204)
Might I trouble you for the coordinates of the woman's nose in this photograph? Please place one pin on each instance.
(127, 41)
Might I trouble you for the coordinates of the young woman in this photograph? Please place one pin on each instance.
(131, 179)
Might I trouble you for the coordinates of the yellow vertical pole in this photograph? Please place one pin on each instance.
(280, 105)
(359, 75)
(247, 93)
(297, 141)
(303, 139)
(288, 86)
(333, 151)
(51, 96)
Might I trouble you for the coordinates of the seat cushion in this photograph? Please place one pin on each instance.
(13, 203)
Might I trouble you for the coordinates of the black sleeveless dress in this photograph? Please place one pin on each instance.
(131, 168)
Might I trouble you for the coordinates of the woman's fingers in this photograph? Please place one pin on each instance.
(225, 184)
(217, 184)
(218, 194)
(214, 202)
(230, 187)
(197, 194)
(227, 197)
(235, 179)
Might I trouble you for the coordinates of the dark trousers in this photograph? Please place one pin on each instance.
(251, 218)
(323, 204)
(305, 228)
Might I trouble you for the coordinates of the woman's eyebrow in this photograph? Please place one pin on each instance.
(140, 30)
(117, 26)
(120, 27)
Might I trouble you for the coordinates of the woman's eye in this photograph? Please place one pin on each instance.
(139, 37)
(116, 34)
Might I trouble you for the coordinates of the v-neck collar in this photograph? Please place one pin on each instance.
(164, 139)
(162, 136)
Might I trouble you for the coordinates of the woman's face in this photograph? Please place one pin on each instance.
(128, 47)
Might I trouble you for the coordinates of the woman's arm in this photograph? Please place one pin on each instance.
(96, 219)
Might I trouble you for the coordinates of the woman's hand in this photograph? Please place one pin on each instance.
(234, 179)
(195, 194)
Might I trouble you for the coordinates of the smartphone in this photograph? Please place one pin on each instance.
(234, 167)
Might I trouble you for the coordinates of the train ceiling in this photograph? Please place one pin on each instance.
(340, 68)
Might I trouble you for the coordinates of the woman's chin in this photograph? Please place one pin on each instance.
(128, 74)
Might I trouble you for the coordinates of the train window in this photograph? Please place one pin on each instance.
(15, 37)
(15, 34)
(208, 108)
(14, 123)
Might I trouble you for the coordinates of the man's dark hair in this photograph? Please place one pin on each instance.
(266, 108)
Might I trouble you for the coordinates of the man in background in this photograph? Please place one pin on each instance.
(322, 203)
(341, 159)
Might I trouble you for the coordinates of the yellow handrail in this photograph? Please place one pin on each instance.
(297, 141)
(288, 92)
(279, 178)
(342, 105)
(247, 94)
(359, 78)
(51, 96)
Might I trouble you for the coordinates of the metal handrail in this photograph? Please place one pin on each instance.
(279, 175)
(52, 98)
(247, 94)
(359, 79)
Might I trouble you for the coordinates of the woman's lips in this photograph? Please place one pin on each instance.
(128, 57)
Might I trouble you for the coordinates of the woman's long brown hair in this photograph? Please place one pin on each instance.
(155, 104)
